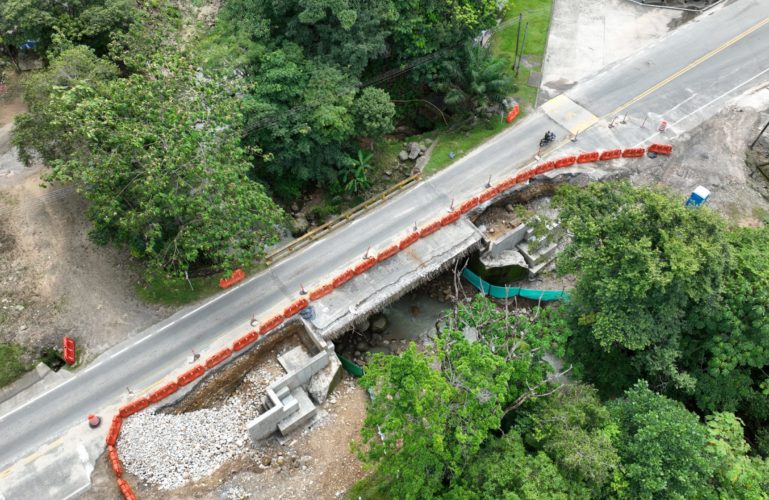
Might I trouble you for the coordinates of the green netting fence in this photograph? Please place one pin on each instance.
(504, 292)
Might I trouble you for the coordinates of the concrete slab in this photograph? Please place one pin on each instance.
(586, 35)
(294, 359)
(301, 416)
(569, 114)
(391, 279)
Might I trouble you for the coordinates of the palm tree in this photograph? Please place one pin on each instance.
(476, 80)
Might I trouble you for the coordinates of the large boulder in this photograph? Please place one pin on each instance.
(414, 150)
(300, 224)
(379, 323)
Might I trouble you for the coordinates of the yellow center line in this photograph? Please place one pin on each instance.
(688, 68)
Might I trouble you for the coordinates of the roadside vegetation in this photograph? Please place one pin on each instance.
(12, 363)
(666, 394)
(190, 140)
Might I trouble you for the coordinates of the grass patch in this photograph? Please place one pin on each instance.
(158, 289)
(537, 14)
(12, 365)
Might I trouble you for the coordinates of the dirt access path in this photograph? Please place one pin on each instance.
(53, 280)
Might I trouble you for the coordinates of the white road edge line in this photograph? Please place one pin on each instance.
(218, 297)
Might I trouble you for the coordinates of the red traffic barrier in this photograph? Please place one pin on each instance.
(468, 205)
(236, 276)
(450, 218)
(611, 154)
(663, 149)
(513, 113)
(69, 351)
(271, 324)
(321, 291)
(190, 375)
(544, 167)
(633, 152)
(430, 228)
(114, 430)
(343, 278)
(388, 252)
(487, 194)
(408, 241)
(218, 357)
(566, 162)
(363, 266)
(588, 157)
(163, 392)
(134, 406)
(295, 307)
(126, 490)
(244, 341)
(115, 461)
(506, 184)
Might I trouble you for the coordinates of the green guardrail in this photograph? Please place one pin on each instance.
(504, 292)
(350, 366)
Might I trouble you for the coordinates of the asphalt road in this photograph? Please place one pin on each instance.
(686, 78)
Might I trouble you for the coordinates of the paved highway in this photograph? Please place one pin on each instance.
(685, 78)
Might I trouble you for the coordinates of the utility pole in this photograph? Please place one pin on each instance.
(523, 47)
(517, 38)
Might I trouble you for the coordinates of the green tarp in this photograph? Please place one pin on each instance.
(503, 292)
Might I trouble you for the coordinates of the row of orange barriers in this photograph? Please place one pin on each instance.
(340, 279)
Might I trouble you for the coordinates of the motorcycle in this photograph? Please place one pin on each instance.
(549, 137)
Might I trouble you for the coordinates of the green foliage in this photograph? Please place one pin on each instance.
(643, 260)
(435, 411)
(476, 80)
(88, 22)
(576, 431)
(157, 155)
(662, 446)
(355, 177)
(12, 365)
(373, 112)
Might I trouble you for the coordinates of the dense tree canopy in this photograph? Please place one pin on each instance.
(435, 411)
(157, 154)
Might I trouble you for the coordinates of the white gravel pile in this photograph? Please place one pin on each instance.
(172, 450)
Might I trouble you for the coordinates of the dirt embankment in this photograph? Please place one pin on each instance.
(54, 280)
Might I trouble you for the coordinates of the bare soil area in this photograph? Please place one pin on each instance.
(53, 280)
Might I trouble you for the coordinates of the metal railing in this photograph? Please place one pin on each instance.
(341, 219)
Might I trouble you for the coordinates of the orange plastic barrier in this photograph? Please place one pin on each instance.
(343, 278)
(408, 241)
(506, 184)
(114, 430)
(126, 490)
(544, 167)
(430, 228)
(133, 407)
(190, 375)
(163, 392)
(611, 154)
(524, 176)
(69, 351)
(663, 149)
(566, 162)
(321, 291)
(468, 205)
(588, 157)
(513, 113)
(237, 275)
(271, 324)
(487, 194)
(242, 342)
(115, 461)
(633, 152)
(387, 252)
(295, 307)
(217, 358)
(363, 266)
(450, 218)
